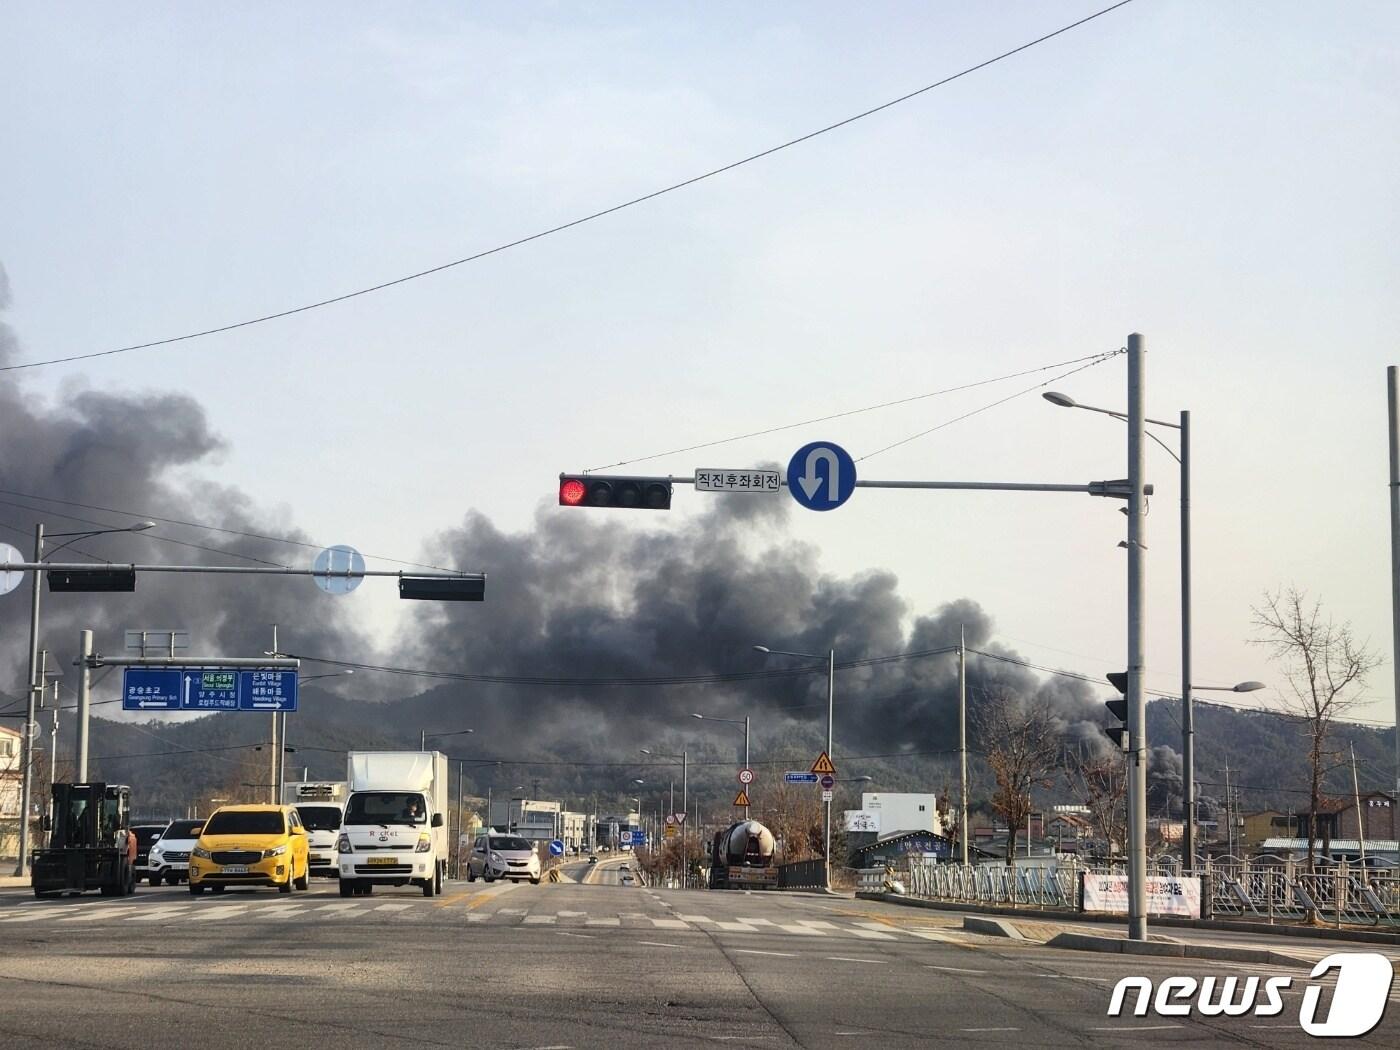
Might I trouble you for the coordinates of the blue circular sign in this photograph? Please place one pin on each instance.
(556, 848)
(821, 475)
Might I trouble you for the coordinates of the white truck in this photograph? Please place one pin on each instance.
(394, 831)
(320, 804)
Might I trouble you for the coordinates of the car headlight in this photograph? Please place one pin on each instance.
(155, 854)
(201, 852)
(425, 843)
(495, 858)
(275, 851)
(342, 844)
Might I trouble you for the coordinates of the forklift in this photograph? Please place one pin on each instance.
(91, 844)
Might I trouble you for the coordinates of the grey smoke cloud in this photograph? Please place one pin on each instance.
(123, 451)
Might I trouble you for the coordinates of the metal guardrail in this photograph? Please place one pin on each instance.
(1267, 888)
(802, 875)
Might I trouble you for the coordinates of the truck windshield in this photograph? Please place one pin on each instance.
(245, 822)
(386, 807)
(320, 818)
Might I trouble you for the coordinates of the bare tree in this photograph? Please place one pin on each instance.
(1100, 780)
(1020, 740)
(793, 813)
(1325, 667)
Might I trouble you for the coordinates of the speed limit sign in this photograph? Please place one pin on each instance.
(746, 776)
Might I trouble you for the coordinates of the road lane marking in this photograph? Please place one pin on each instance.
(87, 916)
(735, 927)
(572, 914)
(584, 936)
(510, 911)
(25, 917)
(818, 924)
(219, 911)
(847, 958)
(343, 906)
(804, 930)
(540, 920)
(755, 951)
(955, 969)
(1135, 1028)
(399, 906)
(1004, 1029)
(159, 911)
(755, 922)
(872, 935)
(1070, 977)
(659, 944)
(603, 922)
(670, 924)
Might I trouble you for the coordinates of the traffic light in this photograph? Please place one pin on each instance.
(611, 490)
(92, 580)
(1118, 709)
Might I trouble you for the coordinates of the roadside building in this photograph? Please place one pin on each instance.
(902, 845)
(9, 772)
(903, 811)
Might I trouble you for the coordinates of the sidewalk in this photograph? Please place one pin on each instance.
(10, 882)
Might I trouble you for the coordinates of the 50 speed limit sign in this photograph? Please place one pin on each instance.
(746, 776)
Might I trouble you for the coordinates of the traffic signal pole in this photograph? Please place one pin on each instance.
(1137, 707)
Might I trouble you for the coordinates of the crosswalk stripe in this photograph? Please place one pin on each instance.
(87, 916)
(164, 911)
(218, 911)
(339, 907)
(604, 922)
(755, 922)
(670, 924)
(540, 920)
(27, 916)
(807, 930)
(400, 906)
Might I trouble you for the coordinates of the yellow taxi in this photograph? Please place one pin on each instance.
(250, 846)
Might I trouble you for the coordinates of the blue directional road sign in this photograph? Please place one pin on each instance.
(145, 689)
(797, 776)
(821, 476)
(556, 848)
(267, 691)
(209, 690)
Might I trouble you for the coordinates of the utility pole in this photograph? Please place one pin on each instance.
(1360, 823)
(26, 744)
(1393, 392)
(461, 821)
(826, 824)
(1137, 662)
(276, 743)
(84, 703)
(1188, 731)
(962, 743)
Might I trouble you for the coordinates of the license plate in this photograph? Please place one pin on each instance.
(383, 860)
(235, 869)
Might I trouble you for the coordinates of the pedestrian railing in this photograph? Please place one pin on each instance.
(1260, 888)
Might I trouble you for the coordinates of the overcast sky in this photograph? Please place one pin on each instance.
(1219, 177)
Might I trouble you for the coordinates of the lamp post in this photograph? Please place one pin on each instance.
(282, 735)
(734, 722)
(1188, 731)
(36, 681)
(423, 735)
(685, 786)
(830, 698)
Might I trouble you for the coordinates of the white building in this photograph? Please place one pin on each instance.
(903, 811)
(532, 819)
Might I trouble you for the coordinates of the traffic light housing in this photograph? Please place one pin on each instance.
(613, 490)
(1118, 709)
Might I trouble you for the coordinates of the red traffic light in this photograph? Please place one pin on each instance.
(613, 490)
(571, 492)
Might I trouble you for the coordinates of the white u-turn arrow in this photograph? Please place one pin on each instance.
(810, 482)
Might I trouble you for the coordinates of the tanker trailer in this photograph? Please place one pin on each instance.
(741, 857)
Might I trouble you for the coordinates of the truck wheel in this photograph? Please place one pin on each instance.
(427, 885)
(437, 883)
(156, 879)
(196, 889)
(346, 887)
(535, 881)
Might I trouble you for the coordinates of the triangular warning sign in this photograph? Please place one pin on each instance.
(822, 766)
(742, 798)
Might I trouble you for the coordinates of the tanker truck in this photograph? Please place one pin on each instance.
(741, 857)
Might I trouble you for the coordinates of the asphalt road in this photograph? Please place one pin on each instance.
(565, 965)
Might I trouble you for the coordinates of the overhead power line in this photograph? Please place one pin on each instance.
(1094, 358)
(193, 525)
(684, 183)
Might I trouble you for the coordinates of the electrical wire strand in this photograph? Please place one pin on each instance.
(672, 188)
(846, 414)
(203, 526)
(1098, 359)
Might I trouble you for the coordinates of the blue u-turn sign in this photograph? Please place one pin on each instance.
(821, 475)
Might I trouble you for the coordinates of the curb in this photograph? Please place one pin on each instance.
(992, 927)
(1087, 942)
(1322, 933)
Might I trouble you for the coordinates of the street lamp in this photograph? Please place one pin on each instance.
(1188, 731)
(830, 697)
(423, 735)
(281, 718)
(734, 722)
(36, 685)
(685, 784)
